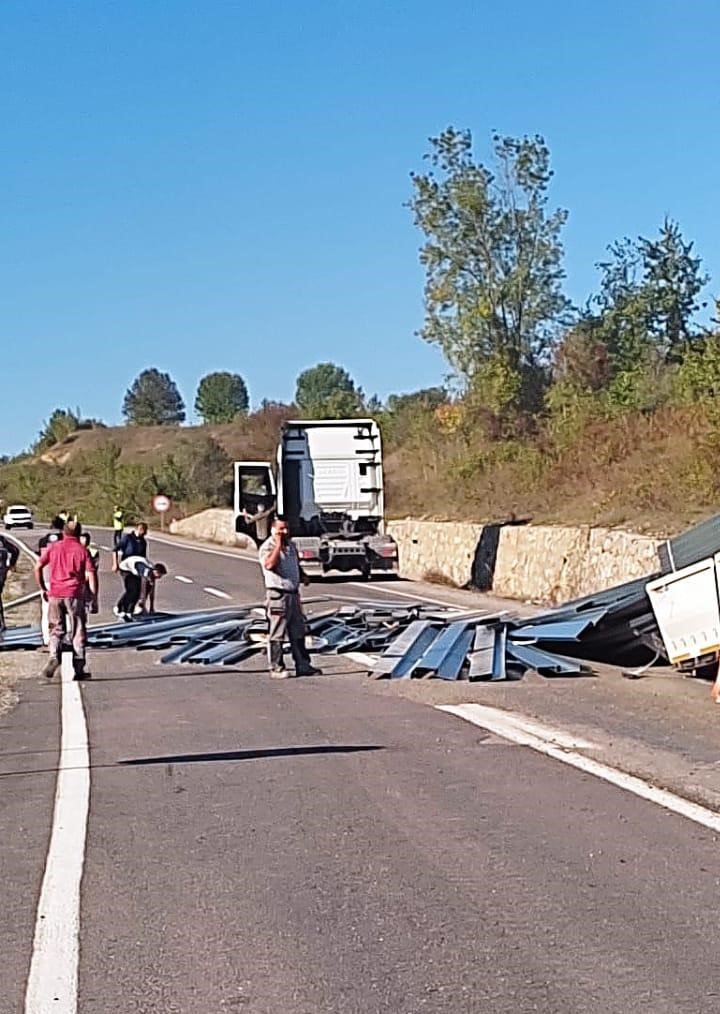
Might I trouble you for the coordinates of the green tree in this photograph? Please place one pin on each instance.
(697, 380)
(221, 397)
(581, 359)
(675, 278)
(492, 256)
(648, 298)
(60, 425)
(412, 416)
(153, 400)
(198, 471)
(327, 391)
(427, 399)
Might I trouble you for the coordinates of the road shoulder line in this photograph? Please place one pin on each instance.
(545, 740)
(53, 977)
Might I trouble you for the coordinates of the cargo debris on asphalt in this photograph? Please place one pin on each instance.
(632, 623)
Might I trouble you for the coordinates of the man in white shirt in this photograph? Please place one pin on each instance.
(134, 570)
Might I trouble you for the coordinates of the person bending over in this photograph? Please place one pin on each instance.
(134, 570)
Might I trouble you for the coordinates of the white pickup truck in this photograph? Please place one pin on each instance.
(327, 482)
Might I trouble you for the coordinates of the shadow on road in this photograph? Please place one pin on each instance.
(204, 758)
(239, 755)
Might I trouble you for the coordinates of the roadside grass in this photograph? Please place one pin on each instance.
(17, 665)
(652, 473)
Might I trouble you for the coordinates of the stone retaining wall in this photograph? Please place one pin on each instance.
(538, 563)
(217, 524)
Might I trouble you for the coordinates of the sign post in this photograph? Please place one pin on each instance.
(161, 504)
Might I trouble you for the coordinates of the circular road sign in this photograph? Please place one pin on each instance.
(161, 503)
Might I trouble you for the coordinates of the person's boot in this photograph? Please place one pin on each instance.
(309, 670)
(303, 665)
(81, 672)
(51, 667)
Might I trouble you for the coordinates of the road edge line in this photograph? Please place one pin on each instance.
(52, 982)
(499, 722)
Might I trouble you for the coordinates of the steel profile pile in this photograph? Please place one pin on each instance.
(207, 628)
(403, 640)
(397, 639)
(484, 648)
(228, 636)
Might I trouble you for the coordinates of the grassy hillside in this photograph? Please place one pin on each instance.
(92, 469)
(654, 472)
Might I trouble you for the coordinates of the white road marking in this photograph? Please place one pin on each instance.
(108, 549)
(185, 580)
(405, 595)
(53, 979)
(243, 554)
(217, 593)
(545, 740)
(232, 554)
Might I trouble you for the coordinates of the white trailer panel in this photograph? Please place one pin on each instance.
(687, 610)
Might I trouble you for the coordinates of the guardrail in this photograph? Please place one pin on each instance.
(34, 557)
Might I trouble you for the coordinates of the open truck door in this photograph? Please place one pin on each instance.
(255, 499)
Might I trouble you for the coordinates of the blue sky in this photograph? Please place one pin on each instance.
(215, 185)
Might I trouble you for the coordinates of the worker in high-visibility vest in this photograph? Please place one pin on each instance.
(118, 521)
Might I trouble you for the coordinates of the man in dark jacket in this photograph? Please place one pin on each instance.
(133, 543)
(9, 554)
(54, 535)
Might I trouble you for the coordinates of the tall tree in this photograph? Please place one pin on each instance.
(327, 391)
(492, 256)
(221, 397)
(676, 280)
(648, 297)
(153, 400)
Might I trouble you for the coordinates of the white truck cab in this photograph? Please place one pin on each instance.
(327, 482)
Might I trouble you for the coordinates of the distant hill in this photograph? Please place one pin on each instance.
(652, 472)
(151, 444)
(92, 469)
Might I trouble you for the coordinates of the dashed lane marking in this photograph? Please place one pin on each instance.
(185, 580)
(53, 979)
(239, 554)
(217, 593)
(562, 746)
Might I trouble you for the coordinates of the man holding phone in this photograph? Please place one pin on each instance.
(282, 575)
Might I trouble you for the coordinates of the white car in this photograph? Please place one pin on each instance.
(18, 516)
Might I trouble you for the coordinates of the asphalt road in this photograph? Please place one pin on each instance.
(314, 846)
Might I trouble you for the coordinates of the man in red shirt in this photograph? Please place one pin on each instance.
(72, 573)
